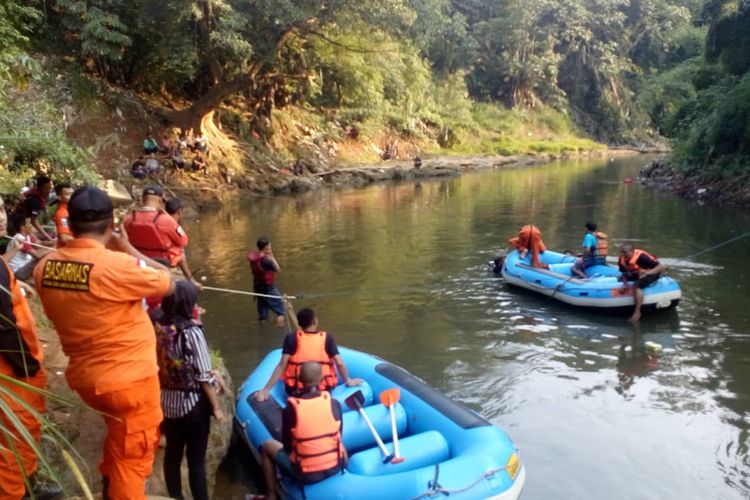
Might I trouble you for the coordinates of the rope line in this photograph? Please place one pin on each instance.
(732, 240)
(243, 292)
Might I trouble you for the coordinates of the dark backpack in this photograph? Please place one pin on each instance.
(174, 371)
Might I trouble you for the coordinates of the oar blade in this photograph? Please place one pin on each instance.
(355, 400)
(390, 397)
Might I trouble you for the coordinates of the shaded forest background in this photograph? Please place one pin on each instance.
(453, 75)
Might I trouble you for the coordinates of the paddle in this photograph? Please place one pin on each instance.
(355, 403)
(389, 398)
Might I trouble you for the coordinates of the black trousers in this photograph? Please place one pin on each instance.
(187, 435)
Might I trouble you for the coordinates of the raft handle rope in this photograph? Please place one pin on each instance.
(436, 489)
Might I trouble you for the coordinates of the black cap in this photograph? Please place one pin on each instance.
(90, 204)
(153, 191)
(173, 205)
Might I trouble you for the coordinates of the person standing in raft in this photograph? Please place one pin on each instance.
(94, 298)
(264, 267)
(529, 239)
(188, 394)
(311, 449)
(595, 246)
(643, 269)
(308, 344)
(21, 359)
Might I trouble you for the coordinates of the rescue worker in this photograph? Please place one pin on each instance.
(530, 239)
(310, 449)
(643, 269)
(595, 247)
(64, 191)
(308, 344)
(21, 358)
(34, 202)
(94, 298)
(264, 267)
(154, 233)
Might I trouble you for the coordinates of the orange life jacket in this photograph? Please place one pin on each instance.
(146, 237)
(631, 265)
(602, 244)
(316, 437)
(310, 347)
(260, 276)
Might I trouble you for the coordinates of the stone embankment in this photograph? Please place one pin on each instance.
(659, 174)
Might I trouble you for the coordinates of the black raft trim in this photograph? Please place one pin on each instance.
(457, 412)
(269, 413)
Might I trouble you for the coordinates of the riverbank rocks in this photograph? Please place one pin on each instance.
(117, 192)
(661, 175)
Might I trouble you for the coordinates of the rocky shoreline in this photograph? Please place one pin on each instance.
(661, 175)
(361, 175)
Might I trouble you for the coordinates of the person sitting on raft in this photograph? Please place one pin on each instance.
(310, 449)
(594, 250)
(643, 269)
(308, 344)
(530, 239)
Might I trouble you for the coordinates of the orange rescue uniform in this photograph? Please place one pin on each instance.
(17, 320)
(61, 223)
(316, 437)
(530, 238)
(94, 297)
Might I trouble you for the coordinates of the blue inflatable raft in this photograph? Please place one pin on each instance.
(601, 290)
(448, 448)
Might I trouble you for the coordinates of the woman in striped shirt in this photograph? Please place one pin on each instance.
(188, 393)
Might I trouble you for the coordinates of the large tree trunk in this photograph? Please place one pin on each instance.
(192, 117)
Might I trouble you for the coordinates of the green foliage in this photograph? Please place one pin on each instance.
(715, 139)
(712, 129)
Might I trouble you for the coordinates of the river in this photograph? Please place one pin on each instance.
(399, 270)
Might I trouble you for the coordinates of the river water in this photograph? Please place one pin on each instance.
(399, 270)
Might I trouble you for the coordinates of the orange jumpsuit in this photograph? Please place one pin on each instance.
(530, 238)
(94, 297)
(61, 223)
(22, 360)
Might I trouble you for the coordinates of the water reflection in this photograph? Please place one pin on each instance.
(399, 270)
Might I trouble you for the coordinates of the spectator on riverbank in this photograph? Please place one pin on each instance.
(153, 166)
(28, 253)
(189, 391)
(33, 204)
(199, 164)
(201, 144)
(149, 144)
(178, 161)
(165, 145)
(138, 168)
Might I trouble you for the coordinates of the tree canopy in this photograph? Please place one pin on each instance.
(624, 70)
